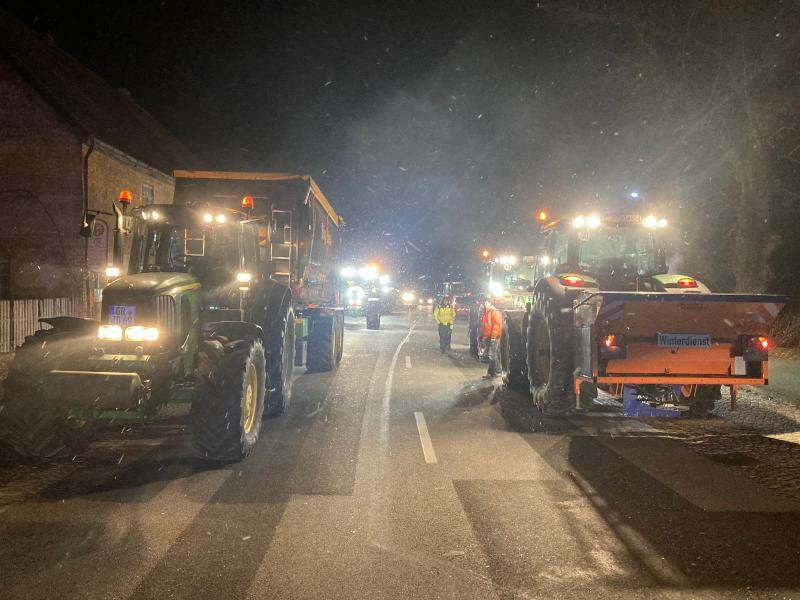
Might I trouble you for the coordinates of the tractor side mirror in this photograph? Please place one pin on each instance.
(88, 225)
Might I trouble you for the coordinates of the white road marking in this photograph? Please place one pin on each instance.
(408, 361)
(387, 392)
(425, 438)
(792, 437)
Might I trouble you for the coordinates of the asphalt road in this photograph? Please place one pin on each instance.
(403, 475)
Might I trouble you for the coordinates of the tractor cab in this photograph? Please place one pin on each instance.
(619, 252)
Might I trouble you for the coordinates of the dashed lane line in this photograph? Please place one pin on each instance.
(425, 439)
(408, 361)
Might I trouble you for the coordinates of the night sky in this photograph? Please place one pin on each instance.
(435, 128)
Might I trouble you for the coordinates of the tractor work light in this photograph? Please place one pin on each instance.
(220, 219)
(653, 222)
(579, 221)
(137, 333)
(244, 277)
(348, 272)
(593, 221)
(112, 333)
(430, 300)
(384, 279)
(155, 215)
(408, 296)
(208, 217)
(112, 271)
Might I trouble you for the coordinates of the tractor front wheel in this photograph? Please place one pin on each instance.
(228, 402)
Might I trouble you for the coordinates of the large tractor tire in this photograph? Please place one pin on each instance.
(228, 403)
(550, 358)
(281, 367)
(323, 345)
(513, 351)
(27, 423)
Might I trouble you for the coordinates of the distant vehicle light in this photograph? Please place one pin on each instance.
(348, 272)
(386, 289)
(687, 282)
(572, 280)
(109, 332)
(485, 253)
(496, 289)
(421, 301)
(593, 221)
(544, 260)
(220, 218)
(430, 300)
(579, 221)
(610, 341)
(244, 277)
(408, 296)
(662, 223)
(155, 215)
(137, 333)
(542, 216)
(634, 195)
(112, 271)
(208, 217)
(384, 279)
(145, 215)
(650, 222)
(762, 342)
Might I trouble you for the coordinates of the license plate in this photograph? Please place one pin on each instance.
(121, 315)
(683, 340)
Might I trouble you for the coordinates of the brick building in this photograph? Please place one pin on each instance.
(68, 141)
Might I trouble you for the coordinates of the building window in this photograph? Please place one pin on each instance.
(5, 280)
(148, 195)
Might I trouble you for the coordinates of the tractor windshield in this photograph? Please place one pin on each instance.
(619, 252)
(171, 248)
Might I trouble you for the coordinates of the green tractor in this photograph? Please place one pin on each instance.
(198, 318)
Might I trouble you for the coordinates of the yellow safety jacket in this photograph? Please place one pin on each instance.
(445, 315)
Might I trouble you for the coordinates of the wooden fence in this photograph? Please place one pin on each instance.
(19, 318)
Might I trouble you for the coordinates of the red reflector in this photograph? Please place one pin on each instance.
(687, 282)
(247, 202)
(572, 280)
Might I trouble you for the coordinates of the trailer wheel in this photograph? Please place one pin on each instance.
(282, 367)
(550, 358)
(26, 423)
(228, 402)
(340, 340)
(512, 352)
(322, 345)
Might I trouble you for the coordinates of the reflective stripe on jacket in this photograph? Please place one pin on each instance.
(445, 315)
(492, 323)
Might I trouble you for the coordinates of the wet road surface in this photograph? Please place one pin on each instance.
(402, 474)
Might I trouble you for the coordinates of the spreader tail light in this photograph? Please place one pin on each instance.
(687, 282)
(572, 280)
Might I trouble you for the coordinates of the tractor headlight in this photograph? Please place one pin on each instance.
(112, 271)
(137, 333)
(110, 332)
(408, 296)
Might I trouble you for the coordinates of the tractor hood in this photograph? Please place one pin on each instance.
(155, 283)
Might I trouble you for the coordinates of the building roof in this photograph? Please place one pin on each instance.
(88, 102)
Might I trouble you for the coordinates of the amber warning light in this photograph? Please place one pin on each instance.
(247, 203)
(125, 197)
(541, 215)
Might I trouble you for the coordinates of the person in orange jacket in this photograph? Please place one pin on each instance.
(492, 330)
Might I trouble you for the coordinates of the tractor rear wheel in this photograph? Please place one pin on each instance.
(282, 367)
(228, 402)
(512, 352)
(550, 358)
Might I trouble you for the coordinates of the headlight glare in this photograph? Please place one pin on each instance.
(137, 333)
(110, 332)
